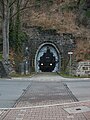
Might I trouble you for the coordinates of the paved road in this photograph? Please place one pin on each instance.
(80, 88)
(10, 91)
(49, 91)
(46, 93)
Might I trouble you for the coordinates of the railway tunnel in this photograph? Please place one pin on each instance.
(47, 58)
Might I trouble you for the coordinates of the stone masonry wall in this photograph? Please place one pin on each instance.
(38, 36)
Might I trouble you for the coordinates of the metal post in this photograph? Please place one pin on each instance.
(26, 60)
(26, 65)
(70, 64)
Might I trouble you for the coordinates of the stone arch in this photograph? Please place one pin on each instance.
(42, 50)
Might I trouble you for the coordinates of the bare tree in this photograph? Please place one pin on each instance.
(5, 6)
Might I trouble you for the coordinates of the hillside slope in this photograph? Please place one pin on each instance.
(66, 16)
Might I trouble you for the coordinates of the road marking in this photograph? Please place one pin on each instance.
(20, 114)
(43, 106)
(18, 118)
(70, 116)
(23, 110)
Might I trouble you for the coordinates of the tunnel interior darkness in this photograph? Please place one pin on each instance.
(47, 61)
(47, 58)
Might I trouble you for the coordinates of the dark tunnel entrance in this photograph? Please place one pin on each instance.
(47, 61)
(47, 58)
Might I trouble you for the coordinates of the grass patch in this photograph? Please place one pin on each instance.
(20, 75)
(71, 76)
(0, 56)
(66, 75)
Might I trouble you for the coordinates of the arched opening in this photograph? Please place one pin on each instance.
(47, 61)
(47, 58)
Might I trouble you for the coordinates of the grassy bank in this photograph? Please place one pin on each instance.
(71, 76)
(20, 75)
(0, 56)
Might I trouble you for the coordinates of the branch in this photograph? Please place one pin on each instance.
(2, 8)
(20, 10)
(2, 2)
(26, 3)
(12, 3)
(20, 2)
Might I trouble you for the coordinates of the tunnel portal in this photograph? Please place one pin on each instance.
(47, 59)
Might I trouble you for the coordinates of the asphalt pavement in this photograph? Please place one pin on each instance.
(10, 91)
(80, 89)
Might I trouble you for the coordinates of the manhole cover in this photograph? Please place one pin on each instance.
(78, 109)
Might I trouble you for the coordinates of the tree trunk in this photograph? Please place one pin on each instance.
(4, 39)
(5, 30)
